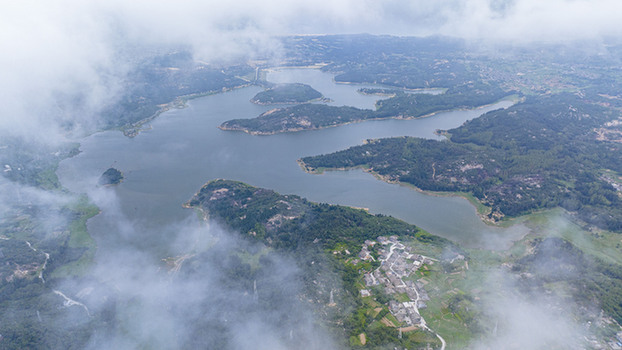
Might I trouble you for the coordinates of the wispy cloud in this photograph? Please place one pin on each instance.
(205, 295)
(63, 60)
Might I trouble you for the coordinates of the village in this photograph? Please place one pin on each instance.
(398, 262)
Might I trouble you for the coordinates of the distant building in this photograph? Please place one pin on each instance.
(369, 280)
(364, 254)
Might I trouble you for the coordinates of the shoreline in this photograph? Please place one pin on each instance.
(204, 215)
(477, 205)
(312, 66)
(441, 90)
(319, 99)
(180, 102)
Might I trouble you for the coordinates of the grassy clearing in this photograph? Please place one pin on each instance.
(453, 309)
(604, 245)
(47, 179)
(392, 319)
(76, 268)
(355, 341)
(422, 248)
(402, 297)
(438, 315)
(253, 259)
(479, 206)
(79, 238)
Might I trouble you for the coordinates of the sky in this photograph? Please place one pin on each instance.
(55, 49)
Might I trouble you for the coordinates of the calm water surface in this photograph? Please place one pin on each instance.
(166, 165)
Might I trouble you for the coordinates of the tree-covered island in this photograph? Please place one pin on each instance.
(111, 176)
(287, 94)
(402, 105)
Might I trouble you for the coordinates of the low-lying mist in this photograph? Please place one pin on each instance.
(215, 290)
(516, 318)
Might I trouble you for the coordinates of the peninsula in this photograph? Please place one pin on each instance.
(545, 152)
(342, 239)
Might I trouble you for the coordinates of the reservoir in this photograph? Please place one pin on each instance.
(166, 164)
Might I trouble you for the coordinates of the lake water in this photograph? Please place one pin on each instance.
(165, 165)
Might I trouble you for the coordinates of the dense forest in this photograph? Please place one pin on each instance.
(288, 221)
(409, 105)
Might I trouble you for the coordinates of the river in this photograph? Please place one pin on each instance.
(166, 164)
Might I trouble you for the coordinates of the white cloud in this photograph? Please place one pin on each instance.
(527, 20)
(75, 50)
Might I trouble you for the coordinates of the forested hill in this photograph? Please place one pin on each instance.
(547, 151)
(290, 222)
(323, 239)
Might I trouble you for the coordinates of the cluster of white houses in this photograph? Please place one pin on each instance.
(397, 262)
